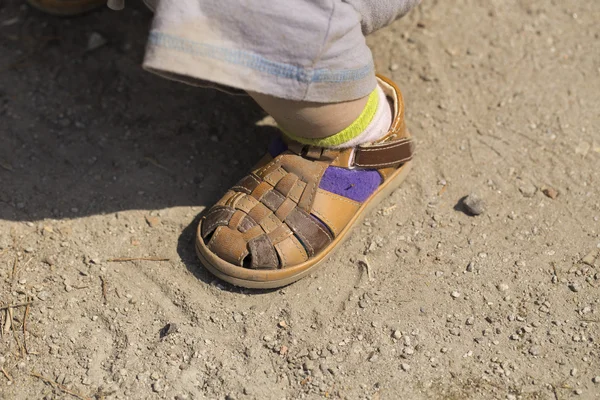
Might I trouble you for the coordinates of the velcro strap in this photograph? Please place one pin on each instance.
(385, 154)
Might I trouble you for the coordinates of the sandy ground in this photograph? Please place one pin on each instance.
(99, 159)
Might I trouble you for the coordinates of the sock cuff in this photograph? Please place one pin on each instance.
(355, 129)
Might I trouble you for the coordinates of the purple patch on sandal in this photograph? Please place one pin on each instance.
(354, 184)
(277, 146)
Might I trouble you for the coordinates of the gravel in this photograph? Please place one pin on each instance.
(474, 204)
(503, 287)
(96, 41)
(550, 192)
(574, 287)
(528, 189)
(158, 386)
(535, 350)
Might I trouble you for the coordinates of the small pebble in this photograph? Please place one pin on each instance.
(550, 192)
(95, 41)
(168, 329)
(535, 350)
(405, 367)
(470, 321)
(470, 266)
(43, 296)
(578, 392)
(152, 221)
(158, 386)
(455, 294)
(573, 371)
(503, 287)
(527, 190)
(575, 287)
(473, 204)
(49, 260)
(397, 335)
(308, 365)
(596, 379)
(589, 258)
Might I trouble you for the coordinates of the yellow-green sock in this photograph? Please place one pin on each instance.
(351, 132)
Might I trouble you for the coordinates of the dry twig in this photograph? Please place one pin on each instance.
(59, 386)
(365, 263)
(156, 164)
(443, 189)
(14, 331)
(25, 327)
(14, 268)
(6, 166)
(7, 323)
(6, 374)
(103, 289)
(124, 259)
(27, 303)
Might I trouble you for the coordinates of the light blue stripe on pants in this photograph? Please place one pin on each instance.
(312, 50)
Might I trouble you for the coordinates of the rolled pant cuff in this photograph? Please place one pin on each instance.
(203, 64)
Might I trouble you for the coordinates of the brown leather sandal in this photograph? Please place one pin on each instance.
(280, 222)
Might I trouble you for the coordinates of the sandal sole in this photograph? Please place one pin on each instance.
(271, 279)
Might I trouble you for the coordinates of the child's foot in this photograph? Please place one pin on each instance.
(298, 204)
